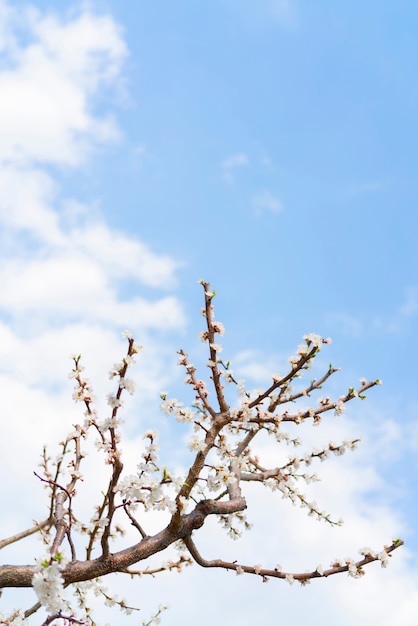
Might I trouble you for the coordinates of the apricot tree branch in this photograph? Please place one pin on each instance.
(354, 568)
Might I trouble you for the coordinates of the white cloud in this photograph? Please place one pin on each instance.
(266, 201)
(25, 204)
(59, 269)
(123, 256)
(61, 287)
(60, 259)
(231, 163)
(47, 85)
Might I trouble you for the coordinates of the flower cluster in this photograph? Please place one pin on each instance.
(83, 391)
(149, 486)
(15, 619)
(48, 583)
(381, 556)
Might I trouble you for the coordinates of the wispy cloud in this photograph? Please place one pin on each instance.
(365, 187)
(284, 13)
(266, 201)
(410, 306)
(348, 324)
(251, 366)
(400, 319)
(391, 323)
(232, 163)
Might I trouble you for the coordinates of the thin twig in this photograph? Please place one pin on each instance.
(276, 573)
(46, 523)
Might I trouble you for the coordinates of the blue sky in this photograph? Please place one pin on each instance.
(268, 147)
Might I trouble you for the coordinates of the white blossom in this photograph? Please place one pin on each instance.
(228, 375)
(113, 401)
(315, 339)
(128, 384)
(367, 551)
(383, 558)
(15, 619)
(352, 569)
(203, 335)
(339, 408)
(219, 328)
(150, 434)
(48, 585)
(302, 349)
(196, 445)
